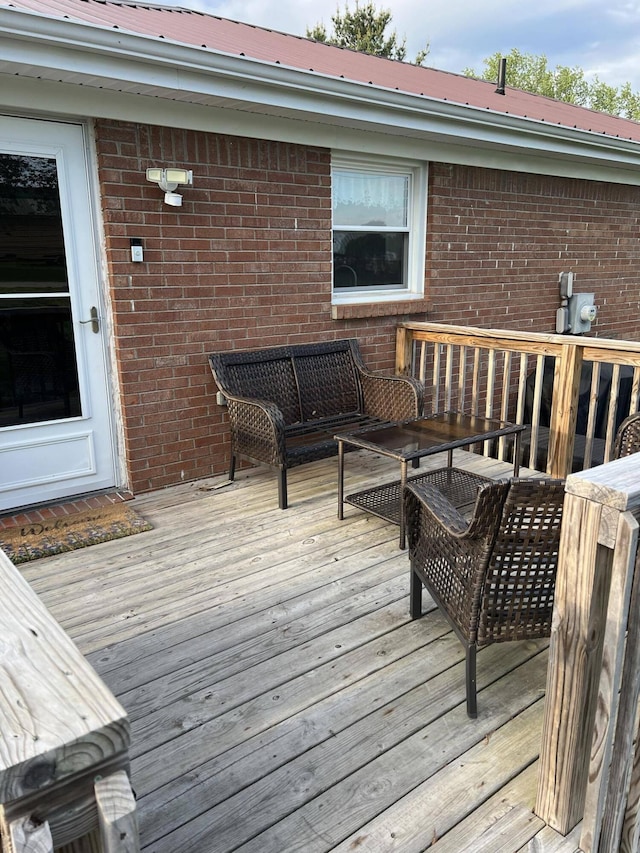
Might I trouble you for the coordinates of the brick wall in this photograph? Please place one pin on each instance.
(498, 240)
(246, 261)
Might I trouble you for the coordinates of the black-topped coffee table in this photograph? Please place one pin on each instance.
(410, 441)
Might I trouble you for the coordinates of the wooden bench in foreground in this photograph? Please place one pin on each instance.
(64, 738)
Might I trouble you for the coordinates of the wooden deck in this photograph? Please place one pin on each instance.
(280, 697)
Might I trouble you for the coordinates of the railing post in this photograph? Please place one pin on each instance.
(574, 665)
(117, 818)
(598, 543)
(608, 792)
(564, 410)
(404, 351)
(60, 728)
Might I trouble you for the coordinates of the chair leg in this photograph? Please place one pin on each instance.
(472, 703)
(282, 488)
(232, 466)
(415, 596)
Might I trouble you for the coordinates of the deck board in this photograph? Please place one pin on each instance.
(510, 808)
(441, 802)
(281, 699)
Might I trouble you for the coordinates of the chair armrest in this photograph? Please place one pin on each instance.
(422, 499)
(391, 398)
(257, 429)
(430, 516)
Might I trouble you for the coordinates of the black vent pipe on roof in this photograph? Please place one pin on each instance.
(502, 76)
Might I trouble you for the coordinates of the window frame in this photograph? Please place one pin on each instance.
(416, 227)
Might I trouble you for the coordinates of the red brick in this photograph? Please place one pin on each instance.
(246, 262)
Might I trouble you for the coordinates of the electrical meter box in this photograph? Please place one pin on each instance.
(581, 312)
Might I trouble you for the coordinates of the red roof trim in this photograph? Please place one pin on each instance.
(202, 30)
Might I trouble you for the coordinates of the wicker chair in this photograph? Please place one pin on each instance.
(627, 437)
(492, 576)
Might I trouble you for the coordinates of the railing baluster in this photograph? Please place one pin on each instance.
(522, 387)
(504, 402)
(462, 379)
(447, 376)
(475, 393)
(613, 411)
(593, 409)
(435, 378)
(422, 374)
(535, 416)
(489, 401)
(491, 381)
(635, 390)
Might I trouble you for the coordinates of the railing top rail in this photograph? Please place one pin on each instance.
(56, 714)
(553, 342)
(615, 484)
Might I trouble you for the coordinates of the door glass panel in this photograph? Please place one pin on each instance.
(38, 374)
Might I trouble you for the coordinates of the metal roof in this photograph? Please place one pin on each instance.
(203, 31)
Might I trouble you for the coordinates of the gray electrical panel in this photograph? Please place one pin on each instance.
(581, 312)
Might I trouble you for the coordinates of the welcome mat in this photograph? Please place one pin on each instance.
(34, 539)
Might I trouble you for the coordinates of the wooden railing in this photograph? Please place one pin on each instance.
(590, 754)
(64, 738)
(590, 745)
(572, 391)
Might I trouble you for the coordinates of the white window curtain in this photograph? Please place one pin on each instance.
(362, 199)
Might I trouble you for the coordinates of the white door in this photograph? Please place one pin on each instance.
(56, 435)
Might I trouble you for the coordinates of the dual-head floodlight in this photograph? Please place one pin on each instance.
(168, 180)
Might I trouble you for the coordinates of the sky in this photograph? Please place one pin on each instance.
(602, 37)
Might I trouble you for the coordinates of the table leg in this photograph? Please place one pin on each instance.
(516, 455)
(403, 483)
(340, 480)
(450, 458)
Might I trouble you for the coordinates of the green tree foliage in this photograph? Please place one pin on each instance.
(533, 74)
(364, 29)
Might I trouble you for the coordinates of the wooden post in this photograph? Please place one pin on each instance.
(117, 817)
(28, 836)
(564, 412)
(612, 745)
(60, 727)
(598, 542)
(574, 665)
(630, 840)
(404, 351)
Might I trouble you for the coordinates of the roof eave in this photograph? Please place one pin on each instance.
(38, 46)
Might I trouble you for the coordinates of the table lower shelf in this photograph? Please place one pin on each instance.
(459, 487)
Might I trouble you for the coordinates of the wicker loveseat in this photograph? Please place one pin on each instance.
(286, 403)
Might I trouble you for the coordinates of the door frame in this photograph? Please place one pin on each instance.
(95, 433)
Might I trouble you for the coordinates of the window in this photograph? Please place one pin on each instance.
(379, 220)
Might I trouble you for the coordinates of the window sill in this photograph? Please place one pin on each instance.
(354, 310)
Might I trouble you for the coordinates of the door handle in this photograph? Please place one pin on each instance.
(93, 314)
